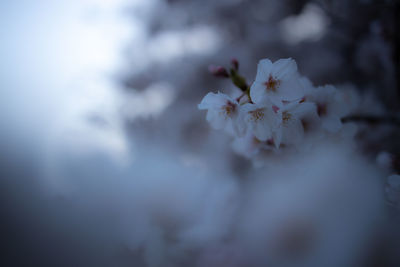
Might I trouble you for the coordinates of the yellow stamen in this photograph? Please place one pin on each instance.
(286, 116)
(257, 114)
(272, 84)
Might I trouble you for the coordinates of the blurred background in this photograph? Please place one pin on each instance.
(96, 96)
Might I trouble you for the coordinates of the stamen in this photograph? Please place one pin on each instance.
(272, 84)
(286, 116)
(229, 108)
(257, 114)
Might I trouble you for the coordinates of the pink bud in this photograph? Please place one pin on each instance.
(218, 71)
(275, 109)
(235, 63)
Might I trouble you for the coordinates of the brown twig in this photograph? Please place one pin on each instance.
(372, 119)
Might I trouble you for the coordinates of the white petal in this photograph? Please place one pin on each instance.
(291, 88)
(321, 94)
(303, 110)
(216, 120)
(210, 100)
(292, 132)
(262, 130)
(284, 68)
(306, 85)
(240, 125)
(215, 100)
(231, 128)
(242, 118)
(258, 92)
(277, 136)
(264, 69)
(246, 146)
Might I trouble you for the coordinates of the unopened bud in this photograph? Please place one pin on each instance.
(235, 63)
(218, 71)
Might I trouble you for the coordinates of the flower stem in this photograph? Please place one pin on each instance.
(373, 119)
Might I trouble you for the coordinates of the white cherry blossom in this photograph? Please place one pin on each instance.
(278, 81)
(295, 117)
(331, 107)
(222, 109)
(249, 145)
(259, 119)
(283, 111)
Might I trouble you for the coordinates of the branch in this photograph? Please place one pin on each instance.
(372, 119)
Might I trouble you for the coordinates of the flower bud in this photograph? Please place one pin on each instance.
(235, 64)
(218, 71)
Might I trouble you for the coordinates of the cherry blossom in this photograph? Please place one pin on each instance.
(260, 119)
(295, 117)
(221, 109)
(278, 81)
(330, 107)
(282, 109)
(249, 145)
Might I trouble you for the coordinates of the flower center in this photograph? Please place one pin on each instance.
(286, 116)
(272, 84)
(256, 141)
(229, 108)
(257, 114)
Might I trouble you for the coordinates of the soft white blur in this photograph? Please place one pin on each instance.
(58, 62)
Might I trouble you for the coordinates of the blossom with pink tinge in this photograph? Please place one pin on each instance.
(277, 81)
(221, 109)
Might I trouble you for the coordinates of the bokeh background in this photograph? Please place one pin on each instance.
(98, 97)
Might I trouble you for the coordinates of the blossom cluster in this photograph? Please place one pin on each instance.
(279, 110)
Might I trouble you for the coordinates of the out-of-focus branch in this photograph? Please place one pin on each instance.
(372, 119)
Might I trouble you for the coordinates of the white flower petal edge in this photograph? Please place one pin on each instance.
(331, 107)
(221, 109)
(284, 68)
